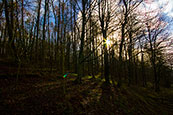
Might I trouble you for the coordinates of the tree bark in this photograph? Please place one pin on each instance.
(38, 29)
(9, 25)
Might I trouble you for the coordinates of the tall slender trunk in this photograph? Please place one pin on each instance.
(122, 41)
(38, 29)
(9, 25)
(130, 65)
(120, 56)
(62, 40)
(74, 42)
(58, 36)
(81, 56)
(142, 65)
(106, 62)
(23, 40)
(18, 25)
(44, 30)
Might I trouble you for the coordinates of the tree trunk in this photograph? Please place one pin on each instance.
(38, 29)
(44, 31)
(120, 56)
(9, 24)
(106, 62)
(81, 56)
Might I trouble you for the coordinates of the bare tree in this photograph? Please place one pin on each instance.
(127, 7)
(44, 29)
(156, 36)
(9, 24)
(104, 12)
(38, 29)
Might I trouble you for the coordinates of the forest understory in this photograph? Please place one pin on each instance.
(40, 91)
(86, 57)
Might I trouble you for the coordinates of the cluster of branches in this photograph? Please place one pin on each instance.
(71, 35)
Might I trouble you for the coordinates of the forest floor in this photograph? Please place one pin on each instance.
(46, 93)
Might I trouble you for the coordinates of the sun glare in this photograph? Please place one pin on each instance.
(108, 42)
